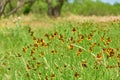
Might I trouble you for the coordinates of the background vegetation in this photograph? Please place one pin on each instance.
(79, 7)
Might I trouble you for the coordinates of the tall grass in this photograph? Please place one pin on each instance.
(68, 51)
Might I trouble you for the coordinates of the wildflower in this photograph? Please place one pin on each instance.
(81, 36)
(42, 40)
(79, 51)
(90, 36)
(62, 41)
(52, 36)
(32, 52)
(74, 30)
(71, 47)
(46, 77)
(31, 33)
(104, 49)
(38, 64)
(28, 67)
(118, 56)
(40, 73)
(53, 51)
(79, 40)
(110, 52)
(93, 44)
(90, 49)
(34, 69)
(71, 39)
(19, 55)
(24, 49)
(99, 56)
(60, 37)
(35, 45)
(102, 38)
(46, 35)
(29, 30)
(9, 68)
(55, 34)
(45, 45)
(111, 67)
(65, 65)
(34, 38)
(108, 40)
(72, 68)
(84, 64)
(53, 76)
(76, 74)
(41, 54)
(28, 47)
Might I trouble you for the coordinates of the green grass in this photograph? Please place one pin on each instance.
(68, 51)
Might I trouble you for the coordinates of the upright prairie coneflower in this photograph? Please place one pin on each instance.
(53, 51)
(90, 36)
(90, 49)
(38, 41)
(55, 34)
(71, 38)
(46, 35)
(46, 45)
(76, 74)
(36, 45)
(60, 37)
(79, 52)
(93, 44)
(108, 40)
(80, 38)
(53, 76)
(41, 54)
(99, 56)
(32, 51)
(84, 64)
(52, 36)
(118, 56)
(74, 30)
(34, 38)
(28, 67)
(31, 33)
(110, 52)
(71, 47)
(38, 64)
(102, 38)
(24, 50)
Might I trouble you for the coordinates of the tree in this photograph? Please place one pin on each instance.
(15, 6)
(55, 10)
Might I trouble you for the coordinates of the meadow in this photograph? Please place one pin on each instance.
(72, 48)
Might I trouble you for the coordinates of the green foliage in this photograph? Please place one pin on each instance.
(39, 7)
(79, 7)
(89, 7)
(27, 9)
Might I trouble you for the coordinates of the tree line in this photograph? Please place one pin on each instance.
(56, 7)
(9, 7)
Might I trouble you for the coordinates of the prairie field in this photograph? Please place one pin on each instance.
(63, 48)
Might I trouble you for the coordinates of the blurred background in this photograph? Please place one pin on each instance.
(57, 8)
